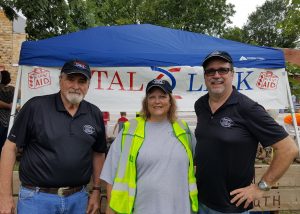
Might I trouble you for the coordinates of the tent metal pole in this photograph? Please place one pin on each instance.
(292, 109)
(16, 93)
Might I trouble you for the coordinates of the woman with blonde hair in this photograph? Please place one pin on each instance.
(149, 168)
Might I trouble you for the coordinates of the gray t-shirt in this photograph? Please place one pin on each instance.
(162, 171)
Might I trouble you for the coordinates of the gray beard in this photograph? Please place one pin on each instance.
(74, 98)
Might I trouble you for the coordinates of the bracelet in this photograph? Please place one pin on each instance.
(96, 188)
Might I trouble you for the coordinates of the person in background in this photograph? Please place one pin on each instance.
(120, 122)
(6, 97)
(229, 127)
(64, 143)
(149, 168)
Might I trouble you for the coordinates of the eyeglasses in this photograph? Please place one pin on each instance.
(212, 72)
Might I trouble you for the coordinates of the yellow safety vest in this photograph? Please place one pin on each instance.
(124, 187)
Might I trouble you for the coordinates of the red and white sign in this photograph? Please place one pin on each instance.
(122, 88)
(267, 80)
(38, 78)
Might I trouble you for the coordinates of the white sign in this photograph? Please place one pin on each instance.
(117, 89)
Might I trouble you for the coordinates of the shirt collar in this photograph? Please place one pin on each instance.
(232, 99)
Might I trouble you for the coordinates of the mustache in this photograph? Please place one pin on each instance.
(74, 91)
(216, 80)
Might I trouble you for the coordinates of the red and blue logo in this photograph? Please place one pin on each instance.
(168, 73)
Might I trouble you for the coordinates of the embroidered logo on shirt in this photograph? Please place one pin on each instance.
(88, 129)
(226, 122)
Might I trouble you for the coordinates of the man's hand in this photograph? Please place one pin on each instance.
(94, 202)
(7, 205)
(247, 194)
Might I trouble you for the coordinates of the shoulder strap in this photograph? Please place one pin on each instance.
(183, 124)
(135, 127)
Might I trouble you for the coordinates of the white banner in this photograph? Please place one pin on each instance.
(118, 89)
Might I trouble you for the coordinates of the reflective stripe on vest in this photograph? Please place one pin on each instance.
(124, 187)
(183, 134)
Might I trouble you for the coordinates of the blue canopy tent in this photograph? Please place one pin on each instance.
(143, 45)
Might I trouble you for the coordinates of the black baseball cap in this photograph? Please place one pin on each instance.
(217, 54)
(77, 67)
(162, 84)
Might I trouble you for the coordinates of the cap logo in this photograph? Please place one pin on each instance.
(80, 65)
(160, 82)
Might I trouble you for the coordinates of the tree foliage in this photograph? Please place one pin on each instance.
(274, 24)
(7, 6)
(205, 16)
(291, 23)
(294, 71)
(264, 26)
(234, 33)
(47, 18)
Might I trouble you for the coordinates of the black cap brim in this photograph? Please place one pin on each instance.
(215, 55)
(160, 87)
(77, 72)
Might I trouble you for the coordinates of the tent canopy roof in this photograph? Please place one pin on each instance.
(143, 45)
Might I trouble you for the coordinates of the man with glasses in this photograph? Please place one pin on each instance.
(229, 127)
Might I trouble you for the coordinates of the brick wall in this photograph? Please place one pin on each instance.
(292, 55)
(10, 45)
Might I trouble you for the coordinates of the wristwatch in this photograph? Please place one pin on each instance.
(262, 185)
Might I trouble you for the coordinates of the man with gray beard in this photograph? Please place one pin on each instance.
(63, 139)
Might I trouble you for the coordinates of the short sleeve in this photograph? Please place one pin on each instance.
(263, 126)
(193, 140)
(21, 128)
(100, 144)
(110, 167)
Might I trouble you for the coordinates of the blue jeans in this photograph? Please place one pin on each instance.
(205, 210)
(35, 202)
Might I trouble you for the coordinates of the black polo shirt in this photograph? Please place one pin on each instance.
(226, 147)
(57, 147)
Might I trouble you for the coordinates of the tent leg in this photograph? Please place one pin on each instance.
(292, 110)
(16, 93)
